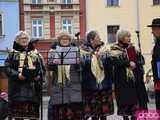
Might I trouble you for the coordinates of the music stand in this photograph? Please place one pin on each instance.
(64, 56)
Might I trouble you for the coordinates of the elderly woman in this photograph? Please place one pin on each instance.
(23, 70)
(128, 76)
(66, 101)
(96, 79)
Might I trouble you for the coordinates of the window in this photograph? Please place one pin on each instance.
(36, 1)
(66, 1)
(156, 2)
(37, 28)
(112, 2)
(67, 25)
(111, 32)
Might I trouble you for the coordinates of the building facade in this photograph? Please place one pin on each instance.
(9, 22)
(44, 19)
(133, 15)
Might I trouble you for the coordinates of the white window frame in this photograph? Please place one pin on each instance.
(2, 16)
(37, 1)
(66, 2)
(112, 5)
(37, 27)
(67, 25)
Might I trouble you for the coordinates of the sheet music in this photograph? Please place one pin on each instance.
(66, 55)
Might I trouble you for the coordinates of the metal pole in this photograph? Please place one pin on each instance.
(139, 42)
(137, 16)
(138, 24)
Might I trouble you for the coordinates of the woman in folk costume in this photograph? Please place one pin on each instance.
(96, 79)
(136, 57)
(23, 70)
(32, 46)
(65, 101)
(124, 77)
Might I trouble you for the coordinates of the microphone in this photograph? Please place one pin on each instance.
(137, 31)
(77, 34)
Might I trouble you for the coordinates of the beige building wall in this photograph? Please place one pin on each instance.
(46, 26)
(28, 24)
(148, 11)
(99, 15)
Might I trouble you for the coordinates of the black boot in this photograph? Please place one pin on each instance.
(94, 118)
(133, 118)
(125, 118)
(103, 117)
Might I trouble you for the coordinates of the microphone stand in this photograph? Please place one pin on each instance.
(80, 67)
(139, 45)
(62, 80)
(41, 84)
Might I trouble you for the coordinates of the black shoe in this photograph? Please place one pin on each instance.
(133, 118)
(103, 118)
(94, 118)
(125, 118)
(85, 118)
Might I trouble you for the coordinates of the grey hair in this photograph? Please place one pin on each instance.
(19, 34)
(64, 33)
(121, 34)
(91, 35)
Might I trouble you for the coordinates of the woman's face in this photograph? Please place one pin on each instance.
(65, 41)
(96, 41)
(23, 40)
(127, 39)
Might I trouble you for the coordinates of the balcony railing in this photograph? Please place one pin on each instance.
(66, 6)
(36, 6)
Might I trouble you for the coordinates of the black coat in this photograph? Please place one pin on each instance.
(3, 109)
(156, 60)
(125, 87)
(88, 80)
(22, 90)
(97, 95)
(139, 79)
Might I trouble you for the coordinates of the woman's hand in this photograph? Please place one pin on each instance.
(132, 65)
(21, 77)
(56, 61)
(37, 77)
